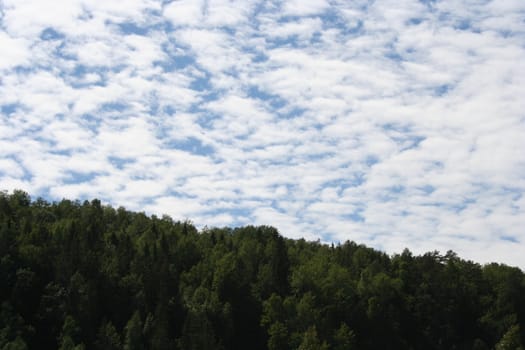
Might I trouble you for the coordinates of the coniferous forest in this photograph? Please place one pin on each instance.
(81, 275)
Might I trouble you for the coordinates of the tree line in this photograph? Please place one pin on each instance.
(82, 275)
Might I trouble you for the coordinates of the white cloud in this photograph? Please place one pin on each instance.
(184, 12)
(15, 52)
(304, 8)
(11, 168)
(228, 12)
(29, 17)
(177, 207)
(303, 28)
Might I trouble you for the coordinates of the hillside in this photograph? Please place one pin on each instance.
(88, 276)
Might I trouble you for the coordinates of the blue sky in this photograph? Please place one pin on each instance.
(392, 123)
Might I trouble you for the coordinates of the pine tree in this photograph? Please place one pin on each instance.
(311, 341)
(134, 339)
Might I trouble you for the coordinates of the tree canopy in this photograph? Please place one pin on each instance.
(82, 275)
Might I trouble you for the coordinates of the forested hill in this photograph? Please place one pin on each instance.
(86, 276)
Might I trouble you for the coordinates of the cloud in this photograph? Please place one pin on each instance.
(395, 124)
(303, 8)
(184, 12)
(11, 168)
(18, 53)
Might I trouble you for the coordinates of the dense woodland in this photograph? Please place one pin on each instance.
(87, 276)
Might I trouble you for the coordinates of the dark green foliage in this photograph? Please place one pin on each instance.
(344, 338)
(511, 340)
(311, 341)
(87, 276)
(133, 337)
(108, 337)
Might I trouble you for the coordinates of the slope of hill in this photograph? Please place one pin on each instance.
(86, 276)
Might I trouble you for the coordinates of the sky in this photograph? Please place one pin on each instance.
(390, 123)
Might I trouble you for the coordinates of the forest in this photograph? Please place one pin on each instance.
(82, 275)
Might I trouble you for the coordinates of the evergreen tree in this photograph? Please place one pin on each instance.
(344, 338)
(70, 332)
(510, 340)
(311, 341)
(108, 337)
(277, 337)
(85, 276)
(133, 333)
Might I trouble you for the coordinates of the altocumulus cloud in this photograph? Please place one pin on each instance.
(392, 123)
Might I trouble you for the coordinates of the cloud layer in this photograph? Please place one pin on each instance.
(395, 124)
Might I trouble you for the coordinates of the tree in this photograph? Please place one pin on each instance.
(198, 333)
(311, 341)
(108, 337)
(277, 337)
(344, 338)
(17, 344)
(134, 339)
(77, 276)
(510, 340)
(70, 332)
